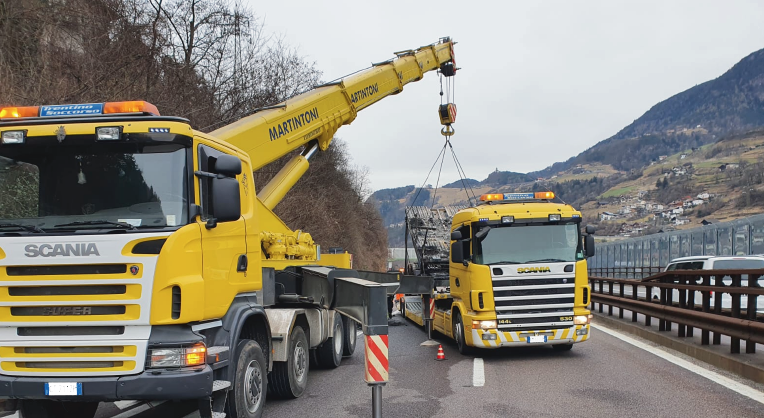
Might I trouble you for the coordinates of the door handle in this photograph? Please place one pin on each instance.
(242, 264)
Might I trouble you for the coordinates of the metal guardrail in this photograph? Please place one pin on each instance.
(677, 292)
(625, 272)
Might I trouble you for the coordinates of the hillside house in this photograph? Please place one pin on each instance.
(698, 202)
(679, 171)
(662, 157)
(681, 221)
(704, 196)
(683, 156)
(608, 216)
(641, 193)
(677, 211)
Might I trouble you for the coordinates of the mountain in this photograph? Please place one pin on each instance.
(733, 102)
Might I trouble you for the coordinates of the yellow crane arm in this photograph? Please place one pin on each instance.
(316, 115)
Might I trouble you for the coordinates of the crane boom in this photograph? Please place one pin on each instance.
(316, 115)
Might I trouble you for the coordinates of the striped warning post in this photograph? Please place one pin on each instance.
(432, 308)
(376, 359)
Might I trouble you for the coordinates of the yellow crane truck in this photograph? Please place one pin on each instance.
(510, 271)
(138, 262)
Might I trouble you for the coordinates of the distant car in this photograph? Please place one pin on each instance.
(709, 262)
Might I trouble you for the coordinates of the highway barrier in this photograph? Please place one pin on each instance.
(722, 302)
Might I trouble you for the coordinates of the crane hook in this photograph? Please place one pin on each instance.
(447, 131)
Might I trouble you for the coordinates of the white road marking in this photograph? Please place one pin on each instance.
(135, 411)
(478, 373)
(125, 404)
(740, 388)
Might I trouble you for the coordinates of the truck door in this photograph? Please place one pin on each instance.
(222, 246)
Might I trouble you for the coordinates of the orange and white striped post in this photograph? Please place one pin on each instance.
(377, 369)
(377, 365)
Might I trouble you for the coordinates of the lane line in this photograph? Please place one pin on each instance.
(143, 408)
(738, 387)
(125, 404)
(478, 372)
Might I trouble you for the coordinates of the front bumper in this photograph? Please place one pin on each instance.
(149, 385)
(495, 339)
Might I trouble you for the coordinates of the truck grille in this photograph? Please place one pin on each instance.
(56, 294)
(69, 360)
(534, 303)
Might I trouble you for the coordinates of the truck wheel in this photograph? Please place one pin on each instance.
(458, 332)
(55, 409)
(563, 347)
(247, 396)
(290, 378)
(350, 333)
(330, 353)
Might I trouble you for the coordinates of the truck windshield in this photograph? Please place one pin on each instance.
(529, 244)
(49, 187)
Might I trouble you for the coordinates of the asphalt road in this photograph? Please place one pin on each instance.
(603, 377)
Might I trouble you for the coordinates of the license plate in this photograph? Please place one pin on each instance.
(63, 389)
(537, 339)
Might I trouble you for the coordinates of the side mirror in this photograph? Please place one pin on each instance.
(227, 165)
(590, 229)
(226, 203)
(457, 251)
(589, 245)
(456, 235)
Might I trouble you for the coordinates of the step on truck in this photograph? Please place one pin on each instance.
(510, 271)
(138, 261)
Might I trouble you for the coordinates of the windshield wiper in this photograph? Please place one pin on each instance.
(503, 262)
(547, 260)
(29, 228)
(98, 222)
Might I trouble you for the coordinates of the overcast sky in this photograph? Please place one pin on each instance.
(541, 81)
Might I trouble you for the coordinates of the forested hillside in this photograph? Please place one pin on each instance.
(210, 61)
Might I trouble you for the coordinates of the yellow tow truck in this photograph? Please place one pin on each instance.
(510, 271)
(138, 261)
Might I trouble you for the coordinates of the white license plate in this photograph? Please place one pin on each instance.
(537, 339)
(63, 389)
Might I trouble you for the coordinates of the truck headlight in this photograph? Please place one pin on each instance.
(484, 324)
(582, 319)
(13, 137)
(177, 357)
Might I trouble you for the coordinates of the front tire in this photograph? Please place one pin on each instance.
(55, 409)
(247, 397)
(458, 333)
(290, 378)
(350, 335)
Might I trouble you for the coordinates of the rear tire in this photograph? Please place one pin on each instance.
(290, 378)
(350, 333)
(247, 396)
(55, 409)
(329, 354)
(563, 347)
(458, 333)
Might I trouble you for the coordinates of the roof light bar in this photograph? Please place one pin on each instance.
(73, 110)
(516, 196)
